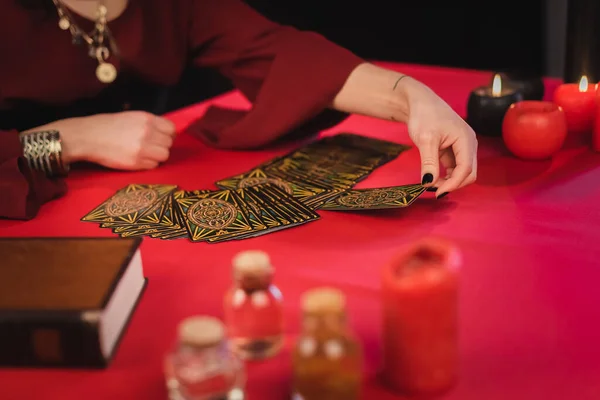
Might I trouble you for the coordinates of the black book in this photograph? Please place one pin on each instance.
(66, 302)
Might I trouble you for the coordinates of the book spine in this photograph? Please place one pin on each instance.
(68, 341)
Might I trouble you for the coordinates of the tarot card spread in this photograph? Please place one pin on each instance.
(279, 194)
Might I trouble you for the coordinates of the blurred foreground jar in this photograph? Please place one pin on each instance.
(253, 307)
(420, 318)
(327, 358)
(201, 365)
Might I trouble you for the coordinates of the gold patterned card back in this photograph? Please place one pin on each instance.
(375, 199)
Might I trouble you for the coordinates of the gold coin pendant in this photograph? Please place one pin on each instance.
(64, 23)
(106, 72)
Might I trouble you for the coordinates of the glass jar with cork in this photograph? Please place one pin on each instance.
(327, 359)
(201, 366)
(253, 307)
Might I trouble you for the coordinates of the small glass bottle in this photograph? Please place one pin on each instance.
(253, 307)
(202, 366)
(327, 358)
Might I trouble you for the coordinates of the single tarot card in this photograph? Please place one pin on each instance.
(331, 167)
(315, 175)
(254, 217)
(180, 234)
(166, 223)
(375, 199)
(316, 202)
(276, 203)
(130, 204)
(237, 236)
(153, 230)
(254, 234)
(178, 231)
(327, 180)
(150, 219)
(344, 159)
(307, 213)
(170, 220)
(269, 210)
(355, 151)
(390, 149)
(188, 193)
(274, 217)
(257, 209)
(292, 207)
(171, 234)
(143, 231)
(173, 221)
(328, 151)
(213, 214)
(252, 178)
(299, 190)
(152, 216)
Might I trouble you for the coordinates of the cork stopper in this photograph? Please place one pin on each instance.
(323, 300)
(252, 263)
(201, 331)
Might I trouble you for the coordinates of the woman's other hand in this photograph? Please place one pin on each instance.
(131, 140)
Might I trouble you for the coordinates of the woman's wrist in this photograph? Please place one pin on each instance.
(381, 93)
(43, 152)
(72, 149)
(410, 93)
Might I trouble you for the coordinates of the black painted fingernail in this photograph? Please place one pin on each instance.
(427, 178)
(442, 195)
(431, 189)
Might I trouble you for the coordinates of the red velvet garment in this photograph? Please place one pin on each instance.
(290, 76)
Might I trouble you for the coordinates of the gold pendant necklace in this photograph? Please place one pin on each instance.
(105, 71)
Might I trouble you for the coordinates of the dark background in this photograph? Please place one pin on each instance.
(507, 35)
(482, 35)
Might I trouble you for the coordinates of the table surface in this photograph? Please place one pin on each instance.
(530, 308)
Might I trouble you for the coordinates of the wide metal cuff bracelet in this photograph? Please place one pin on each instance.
(43, 152)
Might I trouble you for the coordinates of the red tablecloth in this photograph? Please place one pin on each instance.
(530, 310)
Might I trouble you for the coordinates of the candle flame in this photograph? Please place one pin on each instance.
(497, 86)
(583, 84)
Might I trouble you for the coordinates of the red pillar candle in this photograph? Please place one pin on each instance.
(596, 129)
(534, 130)
(578, 100)
(420, 318)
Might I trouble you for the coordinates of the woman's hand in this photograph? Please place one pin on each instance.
(439, 133)
(131, 140)
(442, 137)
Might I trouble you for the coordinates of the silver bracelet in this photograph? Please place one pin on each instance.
(43, 152)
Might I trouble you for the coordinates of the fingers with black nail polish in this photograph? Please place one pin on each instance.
(431, 189)
(427, 178)
(441, 196)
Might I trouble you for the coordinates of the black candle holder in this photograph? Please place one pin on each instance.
(530, 85)
(582, 55)
(485, 111)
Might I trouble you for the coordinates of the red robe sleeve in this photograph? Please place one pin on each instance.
(22, 191)
(290, 76)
